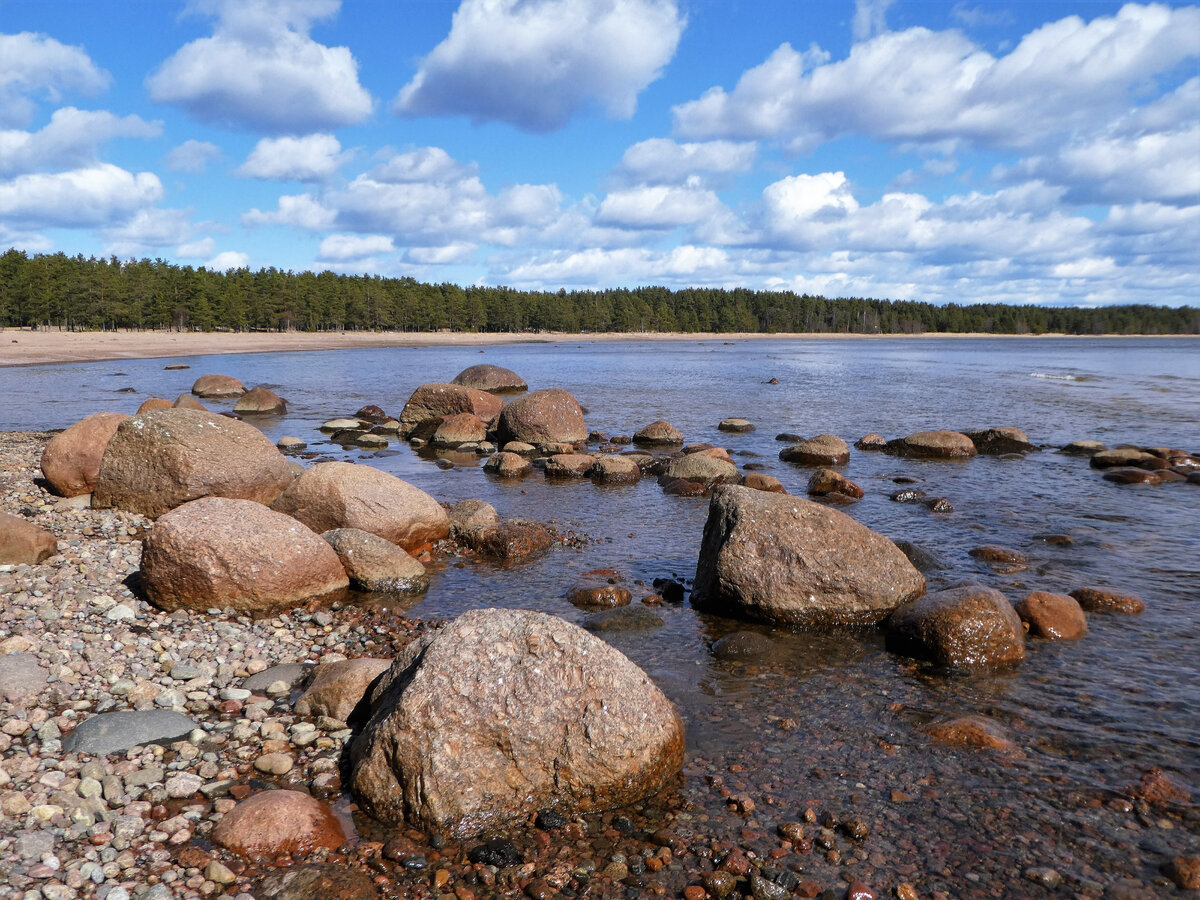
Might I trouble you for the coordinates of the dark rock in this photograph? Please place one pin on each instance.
(1084, 448)
(937, 504)
(871, 442)
(997, 554)
(997, 441)
(624, 618)
(924, 559)
(599, 589)
(672, 591)
(1121, 457)
(1057, 617)
(117, 732)
(908, 495)
(274, 825)
(373, 414)
(550, 820)
(743, 645)
(826, 481)
(1102, 600)
(737, 426)
(509, 542)
(760, 482)
(1133, 476)
(498, 852)
(312, 882)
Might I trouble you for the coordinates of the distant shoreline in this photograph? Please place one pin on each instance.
(21, 347)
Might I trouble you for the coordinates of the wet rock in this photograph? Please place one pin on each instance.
(933, 445)
(333, 426)
(907, 495)
(1157, 789)
(71, 461)
(529, 712)
(658, 434)
(274, 824)
(1184, 872)
(458, 429)
(969, 627)
(761, 482)
(498, 852)
(826, 481)
(859, 891)
(471, 515)
(1121, 457)
(871, 442)
(165, 458)
(508, 465)
(822, 450)
(372, 413)
(1102, 600)
(743, 645)
(509, 542)
(922, 557)
(23, 543)
(779, 559)
(218, 386)
(682, 487)
(312, 882)
(260, 401)
(1057, 617)
(761, 889)
(569, 465)
(599, 589)
(544, 417)
(615, 470)
(1133, 476)
(236, 553)
(21, 678)
(735, 425)
(970, 732)
(994, 553)
(345, 495)
(1083, 448)
(997, 441)
(1043, 875)
(430, 403)
(375, 564)
(494, 379)
(117, 732)
(937, 504)
(702, 469)
(623, 618)
(336, 688)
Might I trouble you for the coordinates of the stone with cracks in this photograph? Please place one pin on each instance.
(430, 403)
(346, 495)
(778, 559)
(260, 401)
(375, 564)
(23, 543)
(71, 461)
(239, 554)
(502, 713)
(968, 628)
(218, 386)
(161, 459)
(494, 379)
(933, 445)
(551, 416)
(274, 824)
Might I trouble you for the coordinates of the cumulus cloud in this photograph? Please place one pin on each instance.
(196, 249)
(39, 66)
(296, 210)
(659, 207)
(310, 158)
(228, 259)
(342, 247)
(923, 86)
(870, 18)
(664, 161)
(686, 264)
(261, 70)
(440, 256)
(535, 63)
(193, 157)
(102, 194)
(422, 164)
(70, 139)
(148, 229)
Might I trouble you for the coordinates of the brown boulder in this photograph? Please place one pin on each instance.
(702, 469)
(970, 732)
(494, 379)
(166, 457)
(187, 401)
(933, 445)
(735, 425)
(508, 465)
(460, 428)
(871, 441)
(154, 403)
(1102, 600)
(615, 470)
(1083, 448)
(71, 460)
(433, 402)
(236, 553)
(826, 481)
(1121, 457)
(658, 434)
(373, 414)
(260, 401)
(599, 589)
(375, 564)
(822, 450)
(22, 543)
(271, 825)
(218, 386)
(569, 465)
(760, 482)
(994, 441)
(1133, 476)
(1057, 617)
(544, 417)
(508, 542)
(345, 495)
(502, 713)
(994, 553)
(969, 627)
(471, 515)
(681, 487)
(334, 689)
(779, 559)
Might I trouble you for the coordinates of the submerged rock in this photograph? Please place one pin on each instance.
(997, 441)
(971, 732)
(599, 589)
(274, 824)
(743, 645)
(1102, 600)
(933, 445)
(969, 627)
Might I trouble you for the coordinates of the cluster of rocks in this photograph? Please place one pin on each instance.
(1130, 464)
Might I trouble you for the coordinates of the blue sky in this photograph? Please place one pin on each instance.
(971, 152)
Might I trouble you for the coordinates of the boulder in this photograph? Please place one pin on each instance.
(569, 465)
(460, 428)
(735, 425)
(544, 417)
(24, 544)
(471, 515)
(373, 414)
(782, 560)
(969, 627)
(1133, 476)
(187, 401)
(702, 469)
(1102, 600)
(290, 444)
(681, 487)
(933, 445)
(336, 688)
(995, 441)
(345, 495)
(502, 713)
(822, 450)
(1120, 457)
(375, 564)
(494, 379)
(217, 552)
(599, 589)
(615, 470)
(1057, 617)
(508, 542)
(218, 386)
(871, 442)
(742, 645)
(260, 401)
(658, 434)
(71, 460)
(154, 403)
(436, 401)
(271, 825)
(333, 426)
(994, 553)
(760, 482)
(161, 459)
(508, 465)
(117, 732)
(921, 557)
(826, 481)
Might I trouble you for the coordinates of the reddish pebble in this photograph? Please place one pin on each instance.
(694, 892)
(808, 889)
(859, 891)
(231, 707)
(240, 791)
(736, 862)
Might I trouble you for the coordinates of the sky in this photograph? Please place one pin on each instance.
(994, 151)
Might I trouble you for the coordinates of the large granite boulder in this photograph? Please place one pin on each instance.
(218, 386)
(71, 461)
(778, 559)
(23, 543)
(260, 401)
(969, 627)
(551, 416)
(274, 824)
(933, 445)
(345, 495)
(235, 553)
(375, 564)
(494, 379)
(161, 459)
(502, 713)
(458, 429)
(430, 403)
(822, 450)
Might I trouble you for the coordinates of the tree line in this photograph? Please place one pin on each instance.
(77, 293)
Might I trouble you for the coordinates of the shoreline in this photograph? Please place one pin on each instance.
(21, 347)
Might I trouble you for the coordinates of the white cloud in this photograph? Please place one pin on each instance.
(802, 205)
(535, 63)
(196, 249)
(978, 16)
(102, 194)
(664, 161)
(34, 64)
(310, 158)
(870, 18)
(296, 210)
(659, 207)
(440, 256)
(685, 264)
(228, 259)
(147, 230)
(261, 70)
(924, 86)
(70, 139)
(193, 157)
(342, 247)
(422, 164)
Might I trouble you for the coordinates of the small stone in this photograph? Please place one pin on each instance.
(1043, 875)
(274, 763)
(219, 873)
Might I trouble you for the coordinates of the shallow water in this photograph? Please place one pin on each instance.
(1091, 716)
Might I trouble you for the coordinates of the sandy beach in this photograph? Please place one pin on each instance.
(22, 347)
